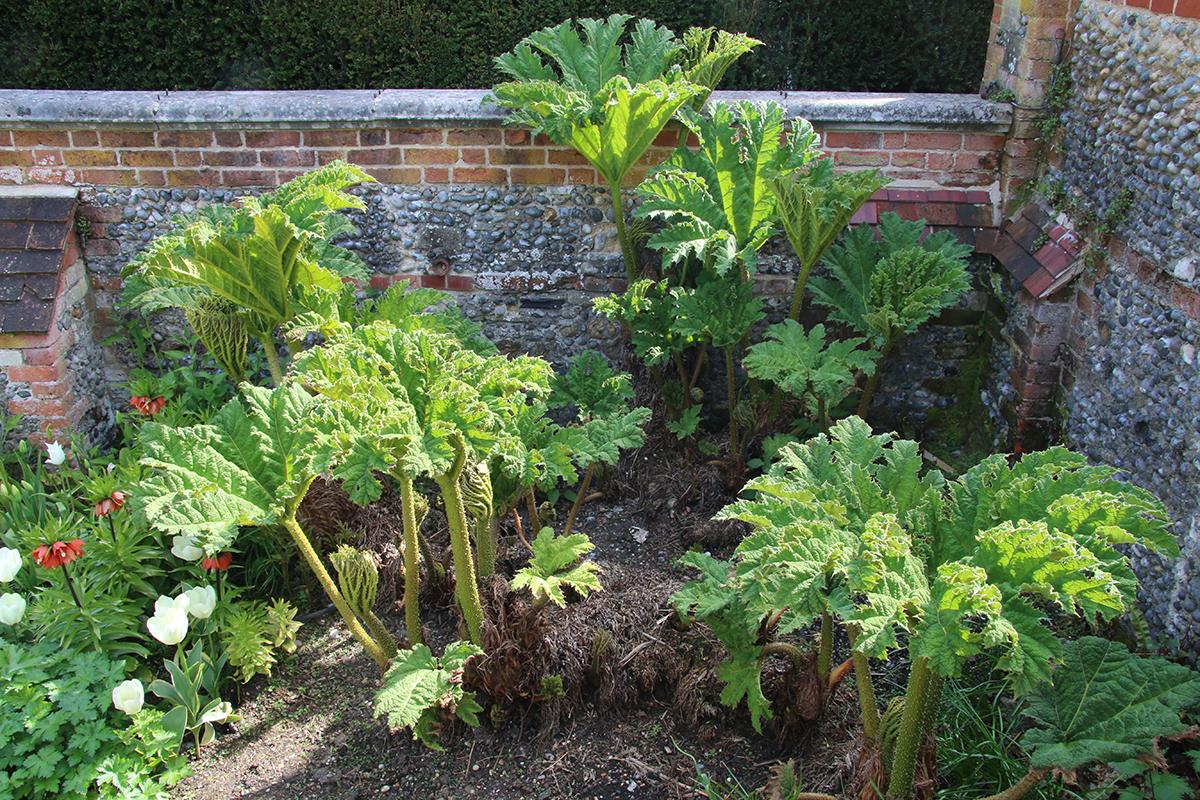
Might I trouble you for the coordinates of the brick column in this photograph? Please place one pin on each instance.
(1026, 40)
(50, 366)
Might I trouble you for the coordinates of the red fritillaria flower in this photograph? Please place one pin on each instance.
(110, 504)
(57, 554)
(148, 405)
(218, 563)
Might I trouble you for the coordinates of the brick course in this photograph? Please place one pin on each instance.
(256, 158)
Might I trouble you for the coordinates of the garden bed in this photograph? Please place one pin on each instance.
(307, 731)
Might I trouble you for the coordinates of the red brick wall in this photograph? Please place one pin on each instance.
(244, 158)
(38, 362)
(1180, 8)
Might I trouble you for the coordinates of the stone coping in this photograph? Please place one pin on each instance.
(342, 108)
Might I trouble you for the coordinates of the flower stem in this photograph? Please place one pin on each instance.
(786, 650)
(268, 345)
(908, 741)
(318, 569)
(1021, 787)
(866, 689)
(460, 544)
(412, 571)
(798, 292)
(487, 541)
(731, 399)
(864, 402)
(583, 487)
(71, 586)
(825, 648)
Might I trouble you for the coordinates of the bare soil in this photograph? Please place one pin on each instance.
(636, 722)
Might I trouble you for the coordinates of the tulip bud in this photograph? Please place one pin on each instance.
(129, 696)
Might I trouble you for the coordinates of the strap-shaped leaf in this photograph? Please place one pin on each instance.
(248, 466)
(1105, 705)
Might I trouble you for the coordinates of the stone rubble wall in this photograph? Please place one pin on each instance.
(1132, 128)
(1133, 400)
(520, 230)
(1126, 332)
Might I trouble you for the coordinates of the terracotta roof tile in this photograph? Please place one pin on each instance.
(35, 222)
(1040, 252)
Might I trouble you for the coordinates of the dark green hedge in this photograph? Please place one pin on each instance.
(896, 45)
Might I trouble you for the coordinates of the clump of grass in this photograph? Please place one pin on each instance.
(977, 753)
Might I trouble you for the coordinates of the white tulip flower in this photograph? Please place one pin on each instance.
(129, 696)
(10, 564)
(170, 621)
(184, 548)
(201, 601)
(166, 602)
(56, 454)
(12, 608)
(218, 713)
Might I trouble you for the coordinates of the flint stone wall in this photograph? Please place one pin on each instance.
(517, 228)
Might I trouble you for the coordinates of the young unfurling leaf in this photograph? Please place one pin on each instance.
(557, 563)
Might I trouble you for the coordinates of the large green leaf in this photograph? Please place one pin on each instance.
(816, 204)
(587, 91)
(885, 586)
(985, 602)
(1105, 705)
(1072, 497)
(720, 311)
(248, 466)
(556, 562)
(707, 53)
(716, 200)
(258, 255)
(805, 366)
(648, 310)
(419, 687)
(887, 286)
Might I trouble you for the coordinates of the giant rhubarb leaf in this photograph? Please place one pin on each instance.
(1106, 704)
(419, 687)
(249, 466)
(557, 562)
(716, 200)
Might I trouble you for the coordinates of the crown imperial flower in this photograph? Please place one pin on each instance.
(57, 554)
